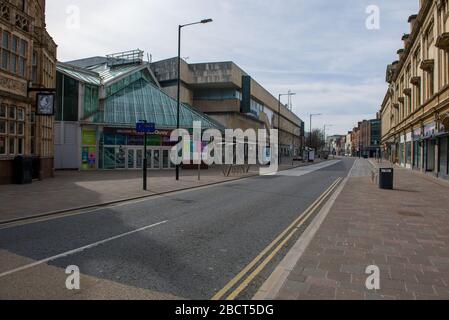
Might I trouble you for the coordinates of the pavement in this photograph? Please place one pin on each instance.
(190, 244)
(404, 232)
(71, 190)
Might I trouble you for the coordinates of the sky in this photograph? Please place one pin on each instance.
(320, 49)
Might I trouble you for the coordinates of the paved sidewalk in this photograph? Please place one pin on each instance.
(404, 232)
(73, 189)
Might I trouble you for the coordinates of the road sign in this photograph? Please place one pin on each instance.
(143, 127)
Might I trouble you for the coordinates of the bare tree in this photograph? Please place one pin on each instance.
(317, 141)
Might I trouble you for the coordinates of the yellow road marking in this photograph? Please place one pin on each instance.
(267, 260)
(294, 226)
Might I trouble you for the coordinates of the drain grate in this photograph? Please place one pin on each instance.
(409, 214)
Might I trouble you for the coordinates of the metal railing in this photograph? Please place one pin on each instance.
(124, 58)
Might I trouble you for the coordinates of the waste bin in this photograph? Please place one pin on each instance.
(23, 170)
(386, 178)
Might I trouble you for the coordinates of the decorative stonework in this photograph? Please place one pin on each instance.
(428, 65)
(401, 99)
(13, 86)
(416, 81)
(22, 22)
(443, 41)
(407, 92)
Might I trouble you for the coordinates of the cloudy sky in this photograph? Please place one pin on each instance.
(320, 49)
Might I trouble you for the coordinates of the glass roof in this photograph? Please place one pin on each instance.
(142, 100)
(80, 75)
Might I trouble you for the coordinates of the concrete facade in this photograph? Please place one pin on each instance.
(28, 58)
(216, 89)
(415, 110)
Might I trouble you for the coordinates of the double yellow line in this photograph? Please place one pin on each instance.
(271, 251)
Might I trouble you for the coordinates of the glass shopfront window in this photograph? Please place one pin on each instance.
(408, 152)
(125, 151)
(444, 156)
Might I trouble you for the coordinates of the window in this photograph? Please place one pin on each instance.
(12, 127)
(12, 113)
(20, 128)
(5, 50)
(2, 126)
(12, 145)
(20, 146)
(14, 52)
(3, 111)
(2, 145)
(34, 71)
(20, 114)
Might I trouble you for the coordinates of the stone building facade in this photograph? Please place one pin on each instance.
(415, 110)
(27, 60)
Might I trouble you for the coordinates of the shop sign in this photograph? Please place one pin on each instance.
(89, 138)
(144, 127)
(45, 104)
(417, 134)
(127, 131)
(429, 130)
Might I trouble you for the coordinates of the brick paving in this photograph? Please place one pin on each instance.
(73, 189)
(404, 232)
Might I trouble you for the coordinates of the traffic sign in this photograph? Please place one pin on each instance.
(143, 127)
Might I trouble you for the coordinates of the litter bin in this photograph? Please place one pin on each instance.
(23, 170)
(386, 178)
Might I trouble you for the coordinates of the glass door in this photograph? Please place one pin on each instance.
(135, 158)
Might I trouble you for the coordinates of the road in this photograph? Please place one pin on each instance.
(187, 245)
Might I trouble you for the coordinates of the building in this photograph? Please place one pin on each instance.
(98, 103)
(336, 145)
(415, 110)
(366, 138)
(348, 145)
(27, 63)
(217, 89)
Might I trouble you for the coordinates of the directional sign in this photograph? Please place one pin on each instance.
(143, 127)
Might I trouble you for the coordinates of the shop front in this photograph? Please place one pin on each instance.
(123, 148)
(417, 148)
(430, 143)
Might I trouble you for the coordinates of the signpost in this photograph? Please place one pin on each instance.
(145, 127)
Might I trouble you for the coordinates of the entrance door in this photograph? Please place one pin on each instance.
(430, 155)
(135, 158)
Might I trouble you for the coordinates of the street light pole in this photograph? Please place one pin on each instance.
(178, 109)
(289, 94)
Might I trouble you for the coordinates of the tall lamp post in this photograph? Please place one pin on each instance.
(311, 116)
(289, 94)
(325, 127)
(179, 76)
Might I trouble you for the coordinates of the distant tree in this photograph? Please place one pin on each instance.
(317, 142)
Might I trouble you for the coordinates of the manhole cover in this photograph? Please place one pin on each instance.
(409, 214)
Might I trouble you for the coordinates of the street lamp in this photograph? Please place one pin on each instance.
(325, 127)
(311, 116)
(204, 21)
(289, 94)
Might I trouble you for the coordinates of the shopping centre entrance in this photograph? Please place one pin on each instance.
(131, 158)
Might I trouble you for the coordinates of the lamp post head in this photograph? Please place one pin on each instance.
(206, 20)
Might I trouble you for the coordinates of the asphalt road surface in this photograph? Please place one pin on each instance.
(187, 245)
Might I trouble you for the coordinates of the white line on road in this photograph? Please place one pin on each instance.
(71, 252)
